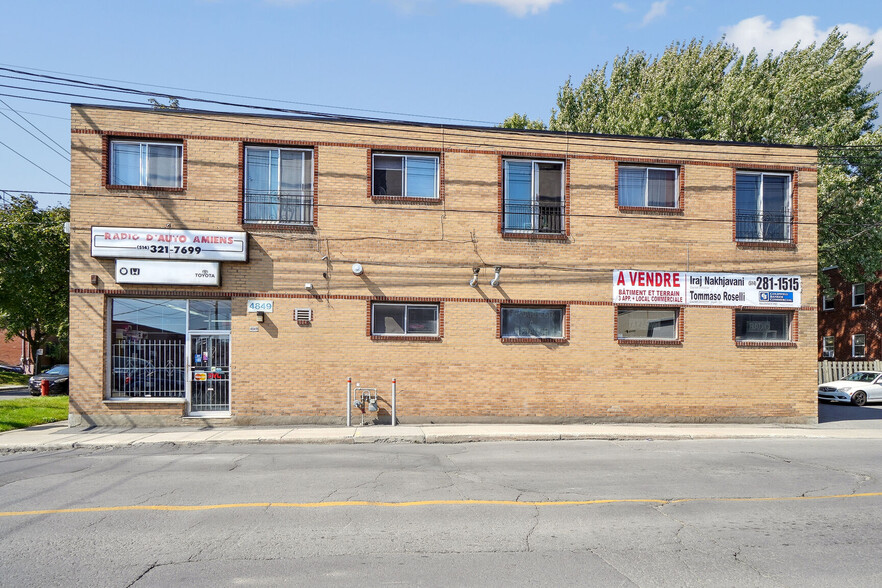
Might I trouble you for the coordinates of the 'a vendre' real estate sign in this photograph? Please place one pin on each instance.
(706, 289)
(169, 244)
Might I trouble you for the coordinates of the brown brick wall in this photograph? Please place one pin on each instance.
(420, 251)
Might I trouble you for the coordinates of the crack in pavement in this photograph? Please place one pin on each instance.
(861, 478)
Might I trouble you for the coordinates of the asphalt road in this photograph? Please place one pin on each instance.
(670, 513)
(13, 393)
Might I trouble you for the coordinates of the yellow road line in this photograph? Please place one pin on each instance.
(349, 503)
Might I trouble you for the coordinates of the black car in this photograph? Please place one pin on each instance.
(57, 376)
(11, 368)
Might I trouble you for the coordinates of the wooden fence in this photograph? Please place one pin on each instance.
(836, 370)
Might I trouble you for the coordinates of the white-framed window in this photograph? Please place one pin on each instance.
(858, 345)
(403, 320)
(405, 176)
(156, 165)
(531, 322)
(828, 302)
(752, 325)
(278, 185)
(647, 323)
(648, 187)
(533, 196)
(858, 294)
(763, 207)
(828, 347)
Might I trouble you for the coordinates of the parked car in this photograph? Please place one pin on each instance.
(11, 368)
(57, 376)
(132, 374)
(858, 388)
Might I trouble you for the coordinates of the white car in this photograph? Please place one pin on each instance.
(858, 388)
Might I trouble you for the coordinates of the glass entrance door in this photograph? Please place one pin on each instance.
(209, 374)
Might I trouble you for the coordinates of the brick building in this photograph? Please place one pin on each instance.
(240, 268)
(14, 351)
(848, 321)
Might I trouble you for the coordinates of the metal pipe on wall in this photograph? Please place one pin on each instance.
(349, 402)
(394, 398)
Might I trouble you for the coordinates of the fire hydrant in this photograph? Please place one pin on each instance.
(44, 387)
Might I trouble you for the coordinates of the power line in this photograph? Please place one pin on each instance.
(407, 207)
(54, 150)
(21, 116)
(246, 97)
(35, 164)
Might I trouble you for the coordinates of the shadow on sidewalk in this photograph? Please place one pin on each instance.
(834, 413)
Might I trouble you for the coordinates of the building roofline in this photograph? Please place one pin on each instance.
(333, 118)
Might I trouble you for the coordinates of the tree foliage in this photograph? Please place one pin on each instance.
(810, 95)
(34, 260)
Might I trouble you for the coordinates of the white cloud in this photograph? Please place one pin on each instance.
(622, 7)
(519, 7)
(658, 9)
(760, 33)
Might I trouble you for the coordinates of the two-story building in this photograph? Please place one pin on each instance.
(240, 269)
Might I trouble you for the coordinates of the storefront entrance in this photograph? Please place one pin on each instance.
(209, 371)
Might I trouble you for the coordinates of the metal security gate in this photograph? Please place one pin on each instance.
(209, 382)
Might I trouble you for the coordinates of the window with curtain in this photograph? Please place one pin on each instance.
(531, 322)
(278, 185)
(653, 187)
(533, 196)
(158, 165)
(410, 176)
(762, 206)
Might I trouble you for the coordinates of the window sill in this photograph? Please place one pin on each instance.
(407, 199)
(519, 340)
(661, 342)
(765, 343)
(145, 400)
(145, 188)
(652, 209)
(428, 338)
(272, 226)
(765, 244)
(537, 236)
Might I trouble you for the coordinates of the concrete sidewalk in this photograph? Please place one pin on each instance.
(60, 436)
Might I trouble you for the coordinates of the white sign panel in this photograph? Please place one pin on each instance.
(641, 287)
(260, 306)
(706, 289)
(149, 271)
(763, 290)
(169, 244)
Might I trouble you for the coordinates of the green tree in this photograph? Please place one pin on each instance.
(34, 260)
(809, 95)
(522, 121)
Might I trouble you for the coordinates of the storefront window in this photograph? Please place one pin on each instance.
(148, 343)
(210, 315)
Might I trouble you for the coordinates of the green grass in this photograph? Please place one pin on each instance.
(27, 412)
(10, 379)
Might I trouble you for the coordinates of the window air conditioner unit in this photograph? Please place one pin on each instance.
(303, 315)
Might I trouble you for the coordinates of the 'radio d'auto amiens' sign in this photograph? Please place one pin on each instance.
(136, 243)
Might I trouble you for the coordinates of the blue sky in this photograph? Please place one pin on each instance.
(472, 60)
